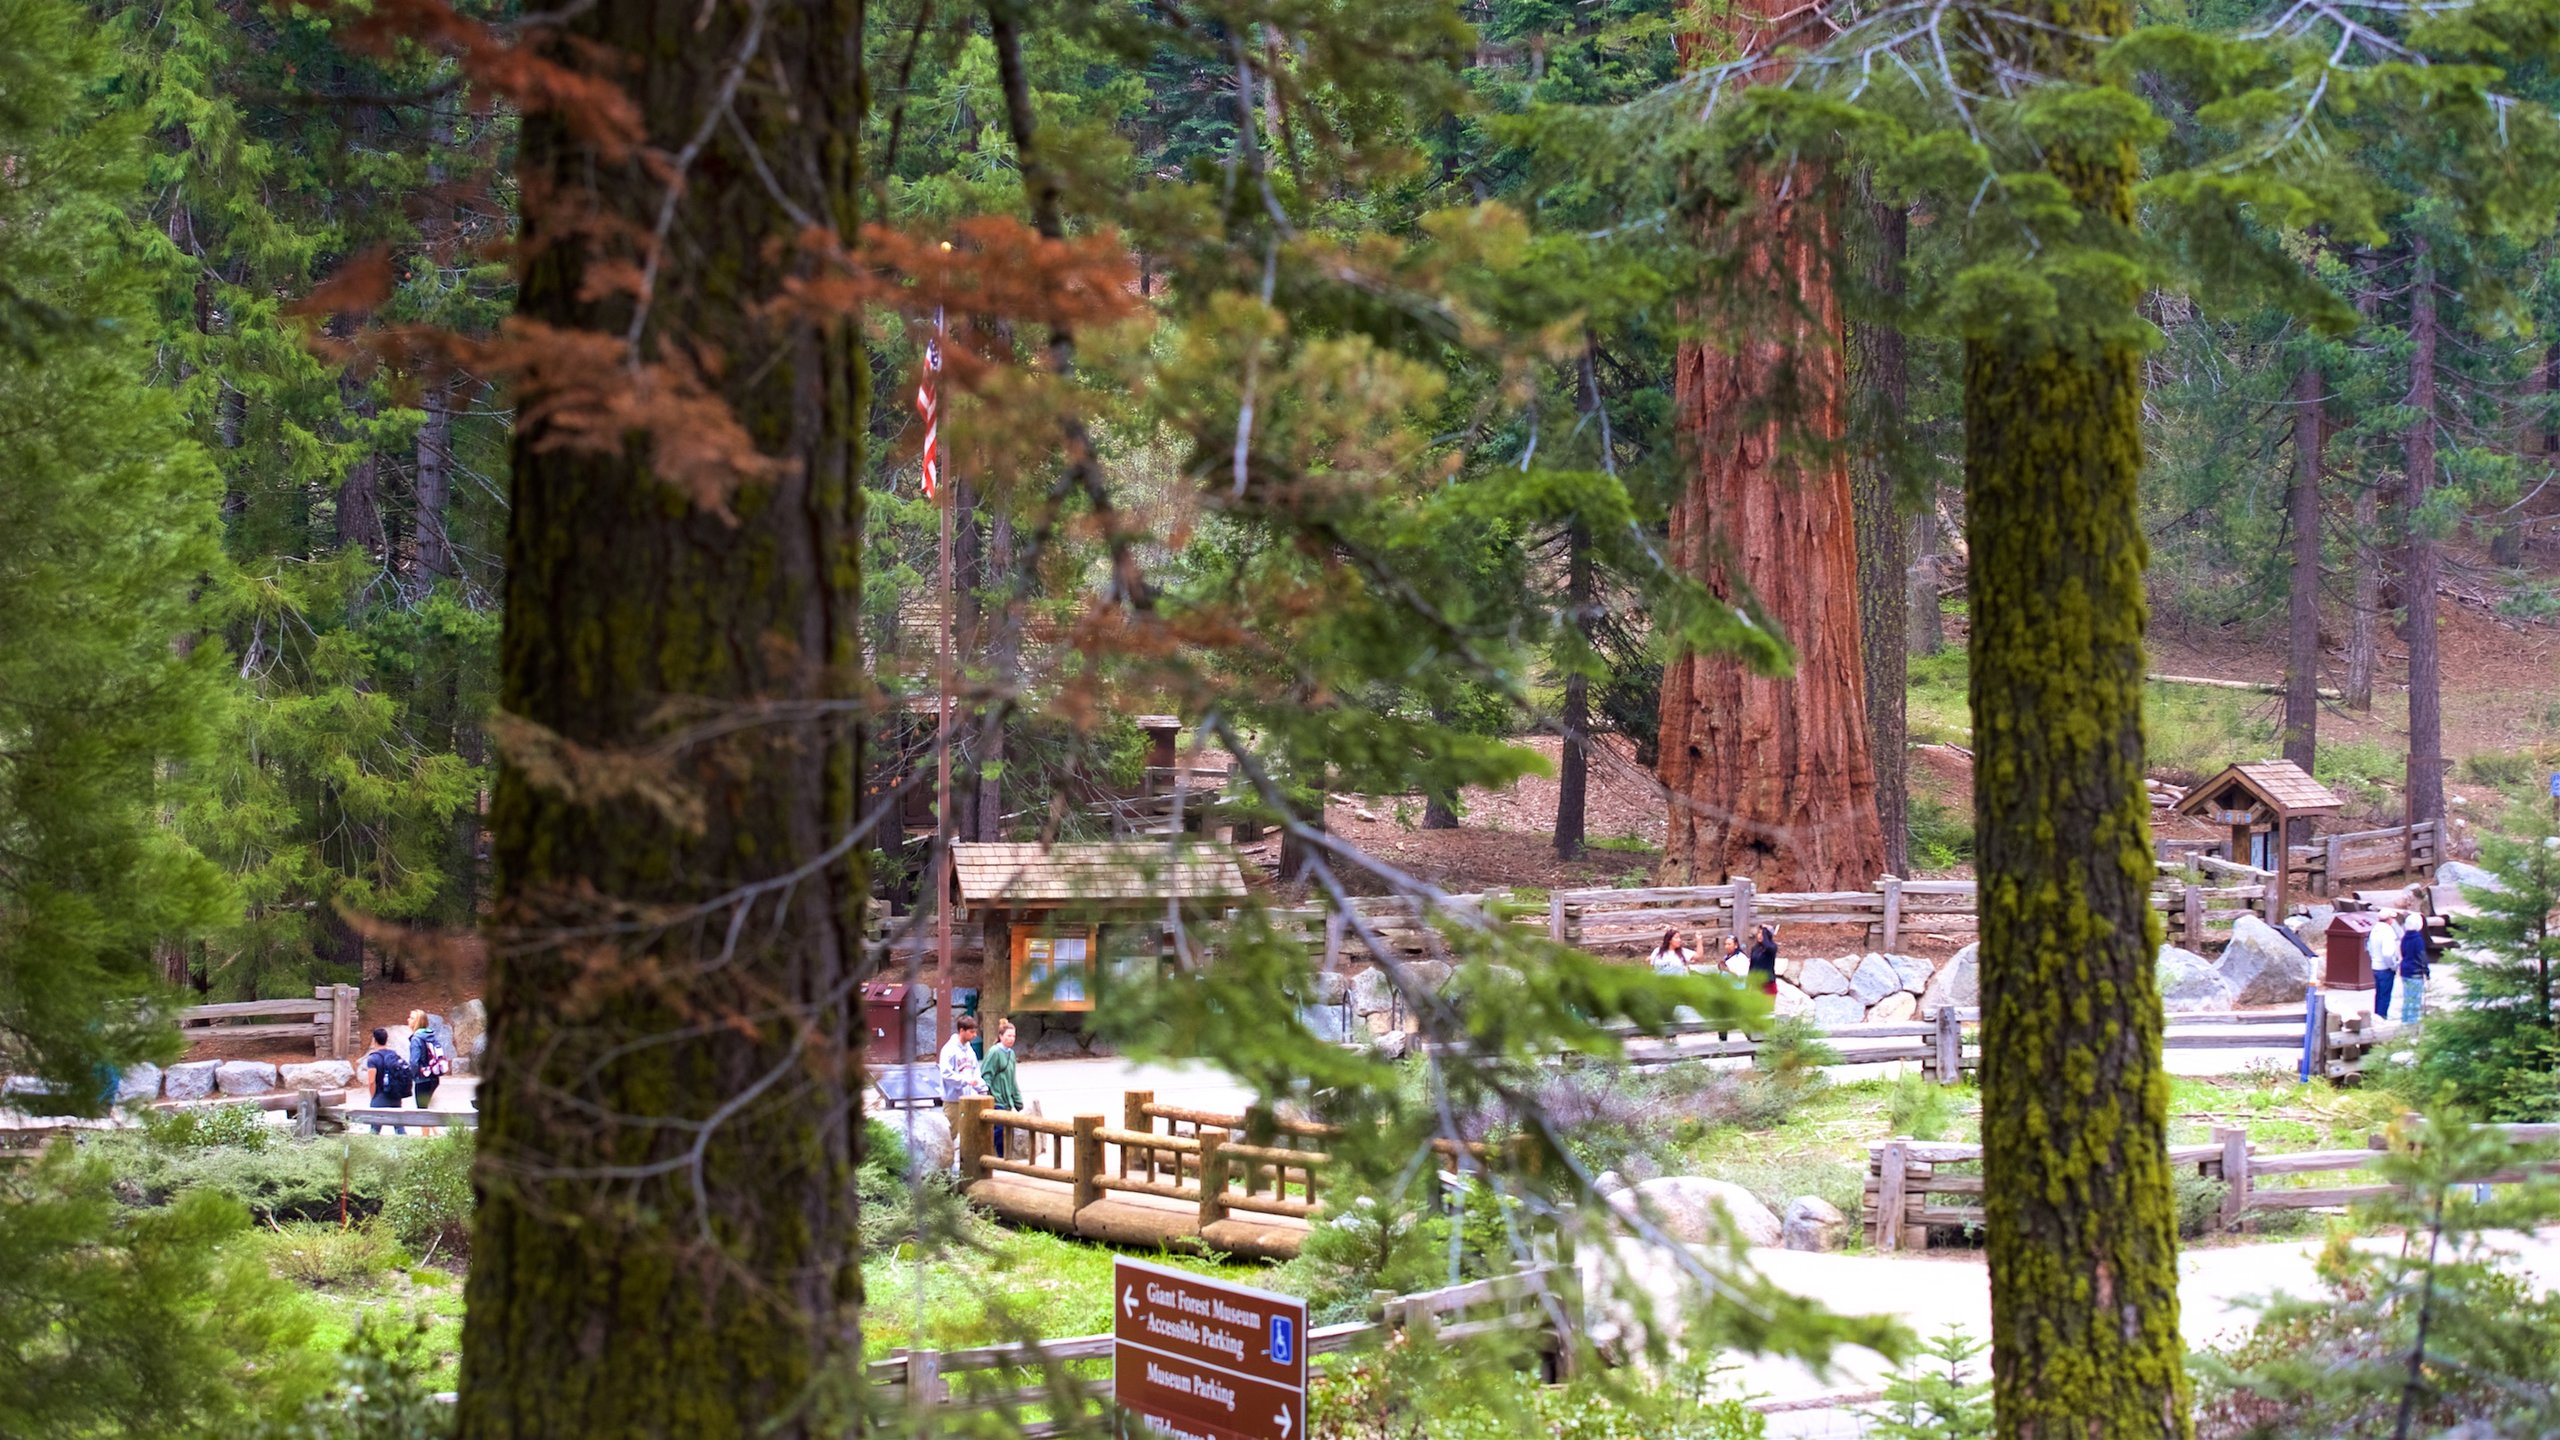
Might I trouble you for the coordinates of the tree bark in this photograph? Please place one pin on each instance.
(434, 489)
(2080, 1222)
(1439, 808)
(2364, 624)
(1573, 757)
(2419, 562)
(666, 1241)
(359, 517)
(1884, 536)
(1928, 622)
(1004, 664)
(1769, 776)
(2302, 635)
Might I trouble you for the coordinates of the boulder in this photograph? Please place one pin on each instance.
(1430, 975)
(2188, 982)
(1911, 970)
(1609, 1183)
(1328, 1023)
(1792, 1001)
(2263, 966)
(1873, 980)
(1392, 1046)
(1813, 1223)
(1056, 1045)
(1789, 968)
(189, 1079)
(1822, 977)
(927, 1134)
(1331, 987)
(245, 1077)
(1695, 1210)
(138, 1081)
(318, 1075)
(1894, 1009)
(1833, 1011)
(1957, 983)
(470, 1034)
(2469, 877)
(1372, 993)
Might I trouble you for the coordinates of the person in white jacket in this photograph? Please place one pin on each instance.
(959, 1060)
(2382, 952)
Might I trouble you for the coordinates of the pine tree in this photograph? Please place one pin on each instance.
(2496, 1051)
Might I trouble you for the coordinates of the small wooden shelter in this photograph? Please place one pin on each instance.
(1059, 919)
(2260, 802)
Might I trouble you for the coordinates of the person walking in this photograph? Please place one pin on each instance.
(1764, 960)
(1673, 955)
(1003, 1076)
(430, 1059)
(2413, 968)
(959, 1061)
(391, 1077)
(2382, 952)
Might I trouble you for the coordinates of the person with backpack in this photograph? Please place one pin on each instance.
(392, 1078)
(430, 1059)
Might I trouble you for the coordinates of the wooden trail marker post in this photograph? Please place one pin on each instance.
(1194, 1358)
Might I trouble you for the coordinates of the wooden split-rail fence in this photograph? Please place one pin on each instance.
(1916, 1186)
(1895, 908)
(327, 1020)
(1053, 1387)
(2337, 863)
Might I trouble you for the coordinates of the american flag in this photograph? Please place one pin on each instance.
(929, 408)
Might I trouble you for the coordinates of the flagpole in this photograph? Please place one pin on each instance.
(944, 832)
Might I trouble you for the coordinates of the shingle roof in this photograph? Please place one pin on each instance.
(2280, 782)
(1060, 874)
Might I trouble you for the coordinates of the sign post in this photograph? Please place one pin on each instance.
(1194, 1358)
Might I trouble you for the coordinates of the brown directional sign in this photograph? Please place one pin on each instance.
(1199, 1359)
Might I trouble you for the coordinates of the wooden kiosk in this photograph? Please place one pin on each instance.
(2260, 802)
(1060, 920)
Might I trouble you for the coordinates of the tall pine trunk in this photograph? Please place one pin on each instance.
(1767, 776)
(2302, 632)
(1883, 376)
(666, 1241)
(1004, 664)
(2419, 561)
(1928, 622)
(2080, 1221)
(2364, 621)
(1573, 757)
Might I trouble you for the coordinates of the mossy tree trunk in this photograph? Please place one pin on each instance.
(2079, 1217)
(1882, 373)
(1573, 756)
(666, 1241)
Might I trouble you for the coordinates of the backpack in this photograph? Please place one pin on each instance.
(396, 1080)
(439, 1064)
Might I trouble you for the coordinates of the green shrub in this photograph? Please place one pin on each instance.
(277, 1182)
(1941, 837)
(1943, 1394)
(1371, 1243)
(325, 1255)
(2506, 771)
(208, 1128)
(1921, 1108)
(428, 1203)
(2199, 1199)
(383, 1391)
(2363, 768)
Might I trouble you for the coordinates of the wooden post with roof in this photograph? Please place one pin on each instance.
(2263, 798)
(1055, 917)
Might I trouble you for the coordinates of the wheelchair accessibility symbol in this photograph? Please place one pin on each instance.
(1284, 1338)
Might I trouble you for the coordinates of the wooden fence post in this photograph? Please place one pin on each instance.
(1950, 1056)
(1213, 1177)
(1088, 1160)
(1334, 926)
(2191, 917)
(1555, 916)
(1742, 910)
(2335, 866)
(346, 998)
(969, 1135)
(306, 1115)
(925, 1388)
(2235, 1173)
(1891, 1164)
(1890, 886)
(1134, 1116)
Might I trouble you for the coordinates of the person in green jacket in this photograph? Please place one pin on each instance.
(1004, 1079)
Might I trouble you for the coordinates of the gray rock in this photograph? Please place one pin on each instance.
(1609, 1183)
(1894, 1009)
(1873, 980)
(2262, 966)
(1813, 1223)
(1792, 1001)
(245, 1077)
(1695, 1210)
(1372, 992)
(928, 1137)
(2469, 877)
(1328, 1023)
(1057, 1045)
(1833, 1011)
(1331, 987)
(1392, 1046)
(318, 1075)
(1911, 970)
(189, 1079)
(1957, 983)
(1431, 975)
(139, 1081)
(470, 1034)
(1822, 977)
(2188, 982)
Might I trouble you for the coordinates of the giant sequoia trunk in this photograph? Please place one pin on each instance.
(1882, 372)
(2419, 561)
(1770, 776)
(2302, 636)
(666, 1240)
(2079, 1219)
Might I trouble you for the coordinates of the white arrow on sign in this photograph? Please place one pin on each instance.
(1129, 1298)
(1283, 1417)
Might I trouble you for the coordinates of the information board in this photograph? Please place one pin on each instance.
(1194, 1358)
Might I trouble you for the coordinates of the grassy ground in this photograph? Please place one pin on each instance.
(1023, 1284)
(361, 1271)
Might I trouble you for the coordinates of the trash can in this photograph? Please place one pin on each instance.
(886, 1006)
(2344, 964)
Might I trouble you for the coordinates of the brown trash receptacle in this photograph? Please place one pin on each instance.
(2344, 966)
(884, 1010)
